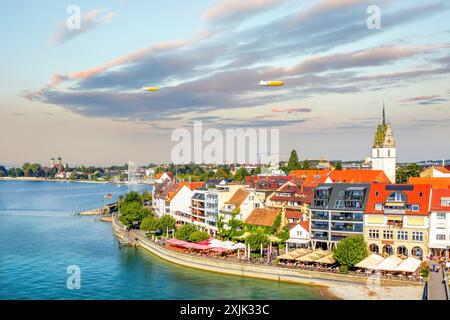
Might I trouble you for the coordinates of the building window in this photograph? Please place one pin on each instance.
(396, 197)
(378, 206)
(440, 215)
(339, 204)
(341, 193)
(374, 234)
(388, 250)
(251, 198)
(388, 234)
(417, 236)
(402, 235)
(415, 207)
(445, 202)
(374, 248)
(402, 250)
(417, 252)
(440, 237)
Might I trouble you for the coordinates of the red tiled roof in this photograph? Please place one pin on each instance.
(420, 195)
(436, 183)
(442, 169)
(262, 217)
(238, 197)
(293, 214)
(305, 173)
(359, 176)
(303, 224)
(436, 204)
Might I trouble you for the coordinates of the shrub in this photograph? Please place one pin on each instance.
(424, 269)
(185, 232)
(343, 269)
(198, 236)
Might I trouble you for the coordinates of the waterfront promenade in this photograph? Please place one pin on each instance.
(340, 285)
(437, 286)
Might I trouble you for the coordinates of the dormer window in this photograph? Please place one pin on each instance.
(396, 197)
(445, 202)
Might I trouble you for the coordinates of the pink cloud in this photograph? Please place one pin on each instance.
(421, 98)
(140, 54)
(230, 9)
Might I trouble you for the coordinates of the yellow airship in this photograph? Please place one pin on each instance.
(271, 83)
(150, 88)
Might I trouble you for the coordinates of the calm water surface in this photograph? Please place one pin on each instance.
(40, 237)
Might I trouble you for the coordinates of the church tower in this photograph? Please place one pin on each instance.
(383, 151)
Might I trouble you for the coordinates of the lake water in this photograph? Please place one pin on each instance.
(40, 238)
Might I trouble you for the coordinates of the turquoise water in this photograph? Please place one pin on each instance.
(40, 237)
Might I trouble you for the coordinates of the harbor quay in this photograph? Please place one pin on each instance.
(244, 268)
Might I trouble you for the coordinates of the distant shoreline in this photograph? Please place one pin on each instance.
(60, 180)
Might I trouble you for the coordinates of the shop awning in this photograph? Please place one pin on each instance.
(370, 262)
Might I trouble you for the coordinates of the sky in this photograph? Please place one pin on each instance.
(76, 93)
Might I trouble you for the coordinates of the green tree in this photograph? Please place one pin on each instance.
(130, 197)
(222, 173)
(293, 163)
(255, 240)
(133, 212)
(19, 172)
(146, 196)
(149, 223)
(404, 173)
(12, 172)
(338, 166)
(185, 232)
(198, 236)
(240, 175)
(306, 164)
(166, 222)
(3, 171)
(351, 250)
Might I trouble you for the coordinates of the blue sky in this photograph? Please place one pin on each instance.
(76, 94)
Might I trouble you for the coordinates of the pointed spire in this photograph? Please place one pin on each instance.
(384, 114)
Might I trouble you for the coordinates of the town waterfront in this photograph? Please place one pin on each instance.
(40, 237)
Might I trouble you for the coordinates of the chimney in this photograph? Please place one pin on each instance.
(52, 162)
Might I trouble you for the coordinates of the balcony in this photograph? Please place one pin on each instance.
(319, 226)
(393, 223)
(323, 237)
(319, 216)
(352, 217)
(347, 227)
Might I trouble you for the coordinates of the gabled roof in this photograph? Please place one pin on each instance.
(190, 185)
(262, 217)
(436, 183)
(436, 204)
(442, 169)
(358, 176)
(303, 224)
(238, 197)
(418, 194)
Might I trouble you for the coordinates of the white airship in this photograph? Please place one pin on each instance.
(271, 83)
(150, 88)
